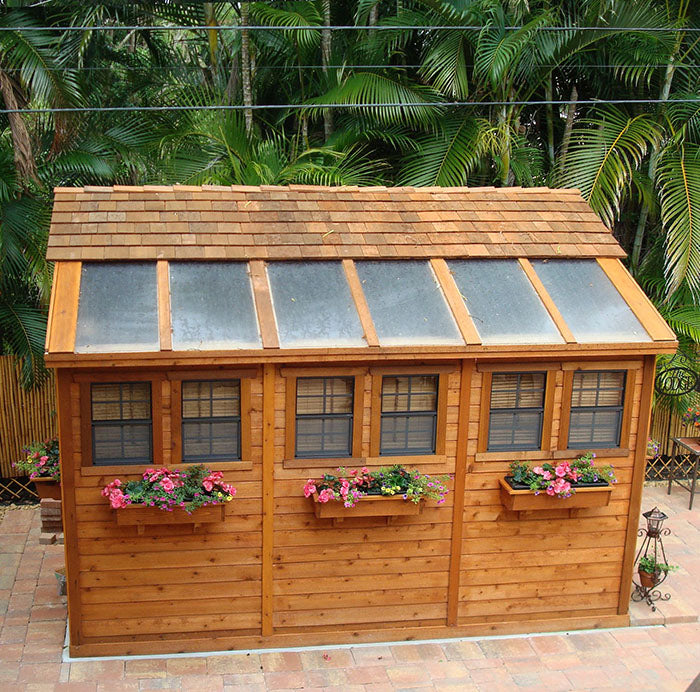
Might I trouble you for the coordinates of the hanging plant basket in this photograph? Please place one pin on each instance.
(47, 488)
(142, 516)
(388, 506)
(522, 499)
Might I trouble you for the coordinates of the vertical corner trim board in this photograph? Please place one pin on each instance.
(635, 502)
(268, 495)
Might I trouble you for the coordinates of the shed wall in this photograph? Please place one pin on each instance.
(174, 590)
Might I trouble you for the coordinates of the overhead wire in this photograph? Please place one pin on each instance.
(343, 27)
(311, 106)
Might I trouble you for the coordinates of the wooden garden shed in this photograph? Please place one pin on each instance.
(278, 332)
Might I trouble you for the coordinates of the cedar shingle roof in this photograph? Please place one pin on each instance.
(267, 222)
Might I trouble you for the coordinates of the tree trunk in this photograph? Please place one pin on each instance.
(25, 165)
(212, 34)
(653, 162)
(245, 70)
(548, 91)
(569, 126)
(374, 15)
(326, 50)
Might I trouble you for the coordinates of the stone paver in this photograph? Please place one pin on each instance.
(664, 657)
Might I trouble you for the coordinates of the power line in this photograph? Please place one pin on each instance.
(131, 68)
(341, 27)
(299, 106)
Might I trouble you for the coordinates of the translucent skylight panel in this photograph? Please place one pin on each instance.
(503, 304)
(313, 305)
(589, 303)
(118, 308)
(406, 304)
(212, 306)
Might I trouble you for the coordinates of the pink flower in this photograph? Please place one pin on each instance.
(107, 490)
(539, 471)
(167, 484)
(118, 500)
(309, 488)
(44, 459)
(208, 485)
(547, 475)
(325, 495)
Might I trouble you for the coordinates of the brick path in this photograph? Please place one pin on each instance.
(32, 627)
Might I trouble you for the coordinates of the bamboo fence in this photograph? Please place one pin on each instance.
(25, 416)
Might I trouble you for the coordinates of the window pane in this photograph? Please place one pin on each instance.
(320, 395)
(406, 303)
(599, 428)
(318, 437)
(210, 440)
(118, 309)
(212, 306)
(598, 388)
(589, 303)
(515, 430)
(408, 434)
(517, 390)
(409, 393)
(211, 399)
(502, 302)
(123, 401)
(124, 443)
(313, 305)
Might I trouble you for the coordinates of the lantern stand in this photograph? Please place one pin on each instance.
(652, 545)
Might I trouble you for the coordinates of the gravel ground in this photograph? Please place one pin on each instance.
(5, 507)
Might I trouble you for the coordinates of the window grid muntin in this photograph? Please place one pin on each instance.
(122, 424)
(407, 416)
(326, 418)
(579, 412)
(517, 413)
(210, 421)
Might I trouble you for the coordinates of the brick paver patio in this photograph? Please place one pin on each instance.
(32, 630)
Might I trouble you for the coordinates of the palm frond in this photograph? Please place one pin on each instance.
(604, 153)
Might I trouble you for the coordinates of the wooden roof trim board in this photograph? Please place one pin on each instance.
(64, 316)
(165, 328)
(456, 301)
(313, 222)
(263, 305)
(358, 296)
(637, 300)
(547, 301)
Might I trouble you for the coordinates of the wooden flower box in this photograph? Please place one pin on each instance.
(47, 488)
(388, 506)
(141, 516)
(524, 500)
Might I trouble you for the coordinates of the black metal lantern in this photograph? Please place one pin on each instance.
(655, 519)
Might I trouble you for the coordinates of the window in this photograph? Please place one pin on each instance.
(211, 420)
(597, 403)
(121, 423)
(409, 414)
(516, 411)
(324, 417)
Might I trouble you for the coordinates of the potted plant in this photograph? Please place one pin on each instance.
(42, 465)
(387, 492)
(692, 417)
(170, 496)
(572, 484)
(650, 571)
(653, 448)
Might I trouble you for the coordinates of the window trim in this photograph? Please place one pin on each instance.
(290, 376)
(482, 452)
(86, 443)
(245, 463)
(622, 449)
(442, 373)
